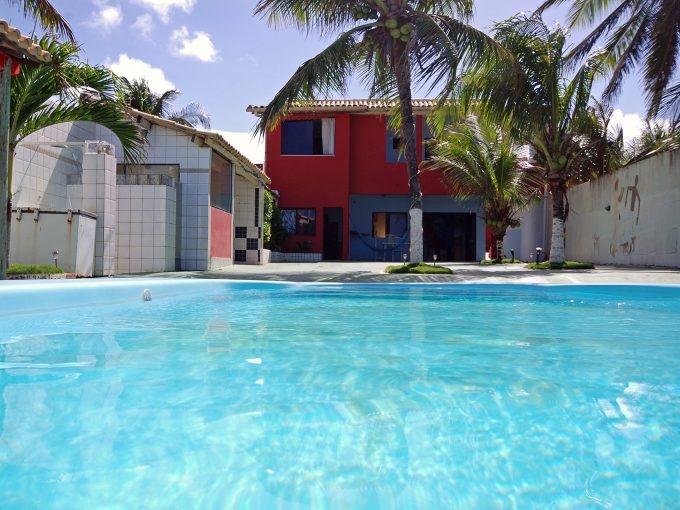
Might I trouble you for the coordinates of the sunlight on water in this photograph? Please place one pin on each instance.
(290, 396)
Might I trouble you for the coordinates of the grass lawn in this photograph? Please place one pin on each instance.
(504, 261)
(15, 269)
(418, 269)
(569, 264)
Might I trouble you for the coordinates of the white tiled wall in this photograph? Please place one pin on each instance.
(166, 146)
(40, 174)
(100, 197)
(194, 220)
(146, 228)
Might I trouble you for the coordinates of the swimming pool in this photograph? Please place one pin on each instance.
(246, 395)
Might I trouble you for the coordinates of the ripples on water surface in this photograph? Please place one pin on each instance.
(289, 396)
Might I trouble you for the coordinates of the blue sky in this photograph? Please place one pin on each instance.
(217, 53)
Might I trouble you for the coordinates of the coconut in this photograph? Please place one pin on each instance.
(396, 33)
(404, 38)
(392, 23)
(406, 29)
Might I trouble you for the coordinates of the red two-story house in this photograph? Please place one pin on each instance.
(343, 186)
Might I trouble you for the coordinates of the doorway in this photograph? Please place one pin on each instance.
(332, 233)
(452, 236)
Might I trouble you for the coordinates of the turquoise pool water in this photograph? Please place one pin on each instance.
(244, 395)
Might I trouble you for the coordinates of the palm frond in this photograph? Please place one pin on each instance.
(193, 114)
(327, 72)
(47, 15)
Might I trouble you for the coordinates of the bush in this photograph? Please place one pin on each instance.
(273, 231)
(15, 269)
(567, 265)
(504, 261)
(418, 269)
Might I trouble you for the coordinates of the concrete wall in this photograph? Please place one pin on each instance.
(531, 233)
(146, 228)
(631, 217)
(36, 236)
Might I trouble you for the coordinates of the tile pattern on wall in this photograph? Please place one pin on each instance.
(146, 228)
(248, 216)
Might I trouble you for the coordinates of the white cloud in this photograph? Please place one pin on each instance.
(163, 7)
(106, 17)
(632, 124)
(199, 46)
(136, 69)
(251, 148)
(144, 25)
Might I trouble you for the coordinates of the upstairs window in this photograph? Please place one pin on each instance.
(427, 141)
(389, 224)
(299, 221)
(395, 154)
(308, 137)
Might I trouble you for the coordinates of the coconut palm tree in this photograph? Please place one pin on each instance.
(645, 32)
(654, 139)
(67, 90)
(478, 159)
(546, 105)
(140, 97)
(390, 44)
(47, 15)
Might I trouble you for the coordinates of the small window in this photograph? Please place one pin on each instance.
(308, 137)
(241, 232)
(389, 224)
(427, 141)
(221, 185)
(395, 154)
(252, 244)
(299, 221)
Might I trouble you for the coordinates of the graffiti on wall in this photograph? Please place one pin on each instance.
(626, 216)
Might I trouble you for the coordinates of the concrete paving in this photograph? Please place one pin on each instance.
(373, 272)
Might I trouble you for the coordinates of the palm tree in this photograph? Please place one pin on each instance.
(390, 44)
(546, 107)
(140, 97)
(479, 160)
(654, 139)
(645, 32)
(67, 90)
(47, 15)
(602, 148)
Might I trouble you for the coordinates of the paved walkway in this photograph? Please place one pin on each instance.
(373, 272)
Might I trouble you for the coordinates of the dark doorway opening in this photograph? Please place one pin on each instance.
(452, 236)
(332, 233)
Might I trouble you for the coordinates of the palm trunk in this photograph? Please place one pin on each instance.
(5, 157)
(499, 237)
(402, 71)
(558, 189)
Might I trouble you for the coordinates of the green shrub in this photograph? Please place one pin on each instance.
(504, 261)
(567, 265)
(418, 269)
(15, 269)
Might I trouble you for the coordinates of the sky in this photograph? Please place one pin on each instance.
(218, 53)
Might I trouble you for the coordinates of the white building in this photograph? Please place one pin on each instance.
(196, 203)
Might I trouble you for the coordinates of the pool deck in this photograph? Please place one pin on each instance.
(373, 272)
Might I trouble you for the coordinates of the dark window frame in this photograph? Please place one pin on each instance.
(300, 229)
(388, 223)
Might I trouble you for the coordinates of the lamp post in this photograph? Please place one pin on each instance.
(538, 254)
(55, 256)
(512, 252)
(404, 256)
(434, 257)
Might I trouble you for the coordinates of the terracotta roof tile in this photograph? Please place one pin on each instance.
(20, 46)
(348, 105)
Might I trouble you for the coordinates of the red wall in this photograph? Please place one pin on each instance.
(359, 167)
(220, 233)
(312, 181)
(370, 172)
